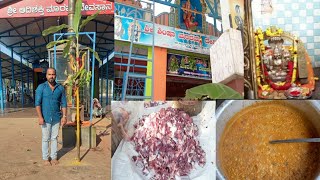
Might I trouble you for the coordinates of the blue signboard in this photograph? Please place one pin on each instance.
(167, 37)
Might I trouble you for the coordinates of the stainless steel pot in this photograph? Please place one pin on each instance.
(229, 108)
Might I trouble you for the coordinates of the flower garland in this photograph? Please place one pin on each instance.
(278, 32)
(260, 51)
(257, 36)
(295, 60)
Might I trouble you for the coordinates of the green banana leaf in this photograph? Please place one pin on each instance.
(77, 16)
(96, 55)
(52, 43)
(88, 19)
(54, 29)
(66, 49)
(212, 91)
(82, 77)
(88, 78)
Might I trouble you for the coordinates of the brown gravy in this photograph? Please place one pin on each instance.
(245, 151)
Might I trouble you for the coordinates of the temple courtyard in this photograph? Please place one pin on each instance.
(20, 139)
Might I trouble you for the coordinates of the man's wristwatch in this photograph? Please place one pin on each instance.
(64, 116)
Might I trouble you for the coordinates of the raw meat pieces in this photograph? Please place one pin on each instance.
(167, 144)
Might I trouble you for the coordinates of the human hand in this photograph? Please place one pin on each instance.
(63, 121)
(124, 132)
(41, 121)
(120, 118)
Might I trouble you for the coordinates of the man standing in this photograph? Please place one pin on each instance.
(50, 96)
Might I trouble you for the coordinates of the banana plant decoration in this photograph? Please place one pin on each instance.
(81, 76)
(76, 59)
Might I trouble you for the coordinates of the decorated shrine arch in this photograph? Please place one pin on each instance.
(282, 65)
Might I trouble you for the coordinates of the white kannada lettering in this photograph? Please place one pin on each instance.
(108, 6)
(56, 8)
(91, 7)
(62, 8)
(11, 11)
(35, 9)
(22, 10)
(49, 9)
(96, 7)
(86, 7)
(41, 10)
(28, 10)
(31, 9)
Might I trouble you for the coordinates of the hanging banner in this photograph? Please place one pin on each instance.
(48, 8)
(168, 37)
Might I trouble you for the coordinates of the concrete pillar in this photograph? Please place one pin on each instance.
(13, 82)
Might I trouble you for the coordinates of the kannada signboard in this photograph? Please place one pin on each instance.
(47, 8)
(188, 66)
(168, 37)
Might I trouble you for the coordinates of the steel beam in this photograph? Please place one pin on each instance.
(31, 47)
(107, 39)
(22, 35)
(28, 81)
(107, 80)
(25, 40)
(19, 33)
(101, 84)
(1, 87)
(104, 23)
(92, 77)
(8, 74)
(33, 55)
(13, 83)
(4, 67)
(41, 31)
(105, 32)
(20, 26)
(33, 88)
(22, 88)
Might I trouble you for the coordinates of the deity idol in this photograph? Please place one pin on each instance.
(276, 60)
(278, 64)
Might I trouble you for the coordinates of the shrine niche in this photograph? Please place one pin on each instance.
(192, 16)
(283, 67)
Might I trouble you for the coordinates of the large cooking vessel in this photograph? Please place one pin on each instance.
(229, 108)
